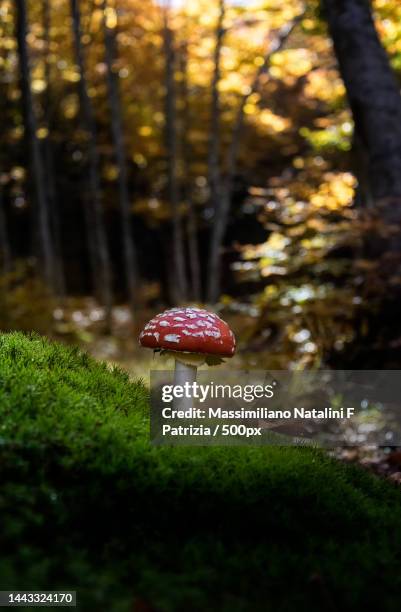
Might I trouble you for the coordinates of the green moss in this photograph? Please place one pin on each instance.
(87, 504)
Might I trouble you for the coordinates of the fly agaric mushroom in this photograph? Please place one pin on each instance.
(192, 336)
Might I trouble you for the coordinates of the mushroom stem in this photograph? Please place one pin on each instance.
(183, 373)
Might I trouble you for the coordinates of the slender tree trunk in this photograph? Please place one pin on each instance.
(373, 94)
(192, 226)
(5, 263)
(130, 255)
(222, 212)
(38, 180)
(180, 284)
(102, 276)
(214, 177)
(48, 156)
(5, 249)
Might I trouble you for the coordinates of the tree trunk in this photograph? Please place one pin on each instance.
(48, 156)
(5, 250)
(102, 276)
(214, 178)
(222, 211)
(180, 284)
(373, 93)
(30, 122)
(192, 226)
(375, 102)
(5, 263)
(129, 251)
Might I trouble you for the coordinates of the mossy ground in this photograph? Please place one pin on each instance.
(87, 504)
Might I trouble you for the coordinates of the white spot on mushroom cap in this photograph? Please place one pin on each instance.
(204, 324)
(172, 338)
(212, 333)
(164, 323)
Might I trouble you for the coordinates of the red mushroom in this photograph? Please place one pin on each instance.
(192, 336)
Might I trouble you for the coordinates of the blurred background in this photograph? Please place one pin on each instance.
(241, 154)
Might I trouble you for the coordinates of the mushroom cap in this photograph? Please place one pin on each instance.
(190, 330)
